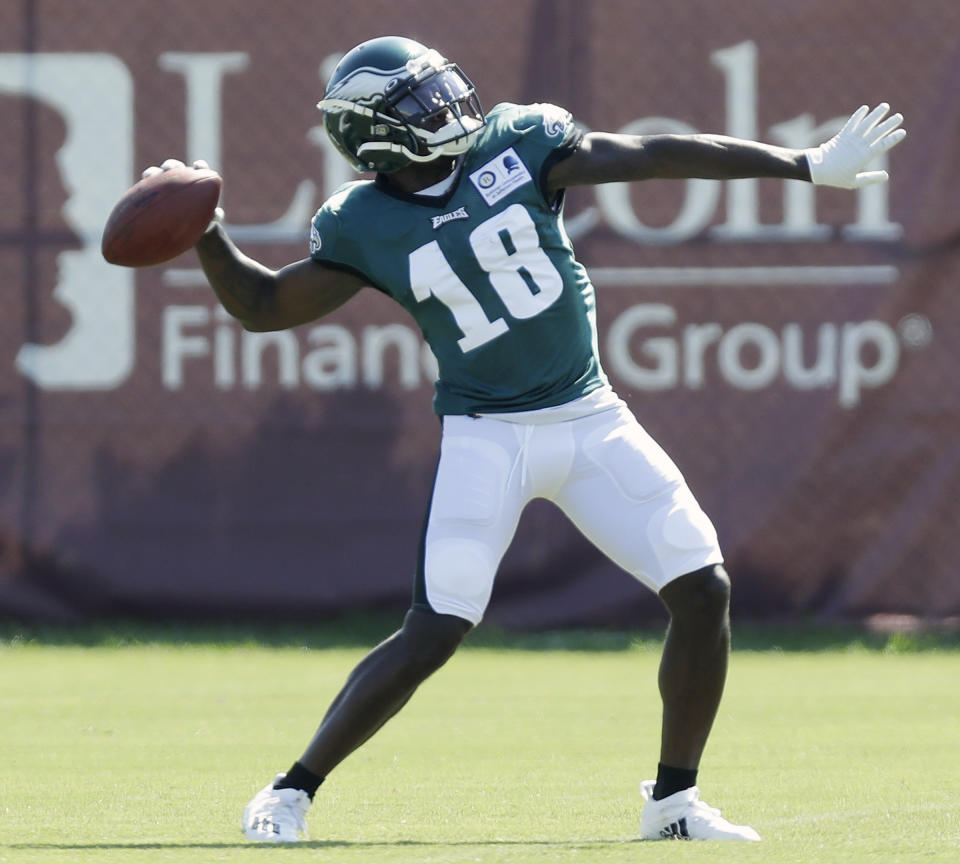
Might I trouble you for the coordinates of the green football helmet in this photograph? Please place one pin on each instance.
(392, 102)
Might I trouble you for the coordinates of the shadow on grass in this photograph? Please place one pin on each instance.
(364, 631)
(332, 844)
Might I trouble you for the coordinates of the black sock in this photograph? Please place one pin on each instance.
(299, 777)
(672, 780)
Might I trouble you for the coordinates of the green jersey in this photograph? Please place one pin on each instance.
(485, 268)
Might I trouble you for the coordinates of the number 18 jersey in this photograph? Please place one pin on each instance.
(486, 268)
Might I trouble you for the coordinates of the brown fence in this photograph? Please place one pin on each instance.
(796, 350)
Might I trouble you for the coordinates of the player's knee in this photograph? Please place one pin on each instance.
(430, 640)
(702, 596)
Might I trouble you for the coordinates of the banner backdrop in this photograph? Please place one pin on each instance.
(796, 350)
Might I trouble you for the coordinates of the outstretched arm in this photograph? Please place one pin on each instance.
(607, 158)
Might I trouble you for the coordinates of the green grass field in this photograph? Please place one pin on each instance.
(143, 746)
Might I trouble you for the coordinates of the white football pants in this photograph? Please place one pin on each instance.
(613, 481)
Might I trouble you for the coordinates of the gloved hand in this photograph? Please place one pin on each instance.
(170, 164)
(841, 160)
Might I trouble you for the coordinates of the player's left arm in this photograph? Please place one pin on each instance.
(607, 158)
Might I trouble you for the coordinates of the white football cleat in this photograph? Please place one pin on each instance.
(683, 816)
(276, 815)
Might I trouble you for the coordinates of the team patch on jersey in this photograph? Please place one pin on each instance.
(459, 213)
(500, 176)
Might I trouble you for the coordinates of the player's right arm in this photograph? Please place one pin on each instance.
(259, 298)
(263, 299)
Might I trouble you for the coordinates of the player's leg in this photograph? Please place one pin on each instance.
(474, 510)
(693, 670)
(628, 498)
(381, 684)
(377, 688)
(471, 520)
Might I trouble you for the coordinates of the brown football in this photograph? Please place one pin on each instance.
(161, 217)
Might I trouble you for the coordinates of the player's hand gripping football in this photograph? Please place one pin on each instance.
(168, 165)
(841, 160)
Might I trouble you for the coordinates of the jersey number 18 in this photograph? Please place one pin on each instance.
(507, 247)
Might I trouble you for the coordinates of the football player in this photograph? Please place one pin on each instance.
(462, 225)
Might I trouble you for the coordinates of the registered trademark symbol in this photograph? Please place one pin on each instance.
(915, 330)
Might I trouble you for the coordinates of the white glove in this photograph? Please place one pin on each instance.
(840, 161)
(169, 165)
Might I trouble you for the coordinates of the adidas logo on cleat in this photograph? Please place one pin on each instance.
(675, 831)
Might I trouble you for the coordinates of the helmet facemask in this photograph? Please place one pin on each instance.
(427, 111)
